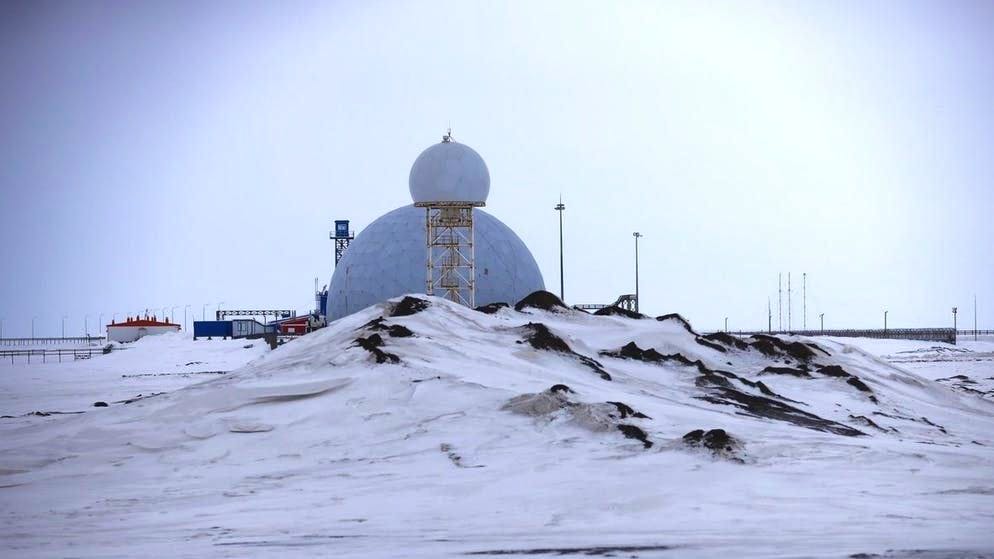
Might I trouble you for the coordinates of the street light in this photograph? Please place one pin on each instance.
(637, 236)
(560, 207)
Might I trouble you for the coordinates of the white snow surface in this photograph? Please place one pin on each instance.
(315, 449)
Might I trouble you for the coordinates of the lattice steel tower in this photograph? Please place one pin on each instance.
(342, 237)
(449, 180)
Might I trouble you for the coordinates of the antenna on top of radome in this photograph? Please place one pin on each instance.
(448, 134)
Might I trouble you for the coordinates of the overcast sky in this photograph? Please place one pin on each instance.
(174, 153)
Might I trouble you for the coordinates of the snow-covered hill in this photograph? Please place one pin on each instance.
(421, 428)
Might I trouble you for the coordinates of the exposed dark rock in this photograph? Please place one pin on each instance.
(833, 371)
(372, 344)
(711, 378)
(675, 316)
(772, 346)
(625, 410)
(615, 310)
(858, 384)
(540, 300)
(791, 371)
(408, 306)
(867, 422)
(393, 330)
(817, 347)
(540, 337)
(633, 432)
(761, 386)
(492, 308)
(720, 443)
(712, 345)
(761, 406)
(727, 340)
(100, 404)
(561, 388)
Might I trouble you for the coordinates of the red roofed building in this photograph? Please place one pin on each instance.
(136, 328)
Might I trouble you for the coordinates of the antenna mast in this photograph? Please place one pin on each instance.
(780, 301)
(804, 298)
(790, 315)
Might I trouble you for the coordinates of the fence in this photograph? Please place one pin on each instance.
(947, 335)
(45, 354)
(73, 340)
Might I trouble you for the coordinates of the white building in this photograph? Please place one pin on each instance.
(137, 328)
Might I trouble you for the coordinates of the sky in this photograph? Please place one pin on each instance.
(188, 154)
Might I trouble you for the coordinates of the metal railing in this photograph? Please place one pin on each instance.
(46, 355)
(73, 340)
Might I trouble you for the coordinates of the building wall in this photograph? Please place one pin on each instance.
(132, 333)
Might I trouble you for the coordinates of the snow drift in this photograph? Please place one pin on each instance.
(423, 425)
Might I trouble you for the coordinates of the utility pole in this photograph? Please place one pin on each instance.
(955, 330)
(637, 236)
(184, 316)
(64, 317)
(885, 322)
(804, 298)
(769, 316)
(726, 324)
(974, 317)
(780, 301)
(560, 207)
(822, 316)
(33, 326)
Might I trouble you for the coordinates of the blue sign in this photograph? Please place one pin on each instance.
(342, 228)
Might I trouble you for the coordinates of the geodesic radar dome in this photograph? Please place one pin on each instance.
(449, 172)
(387, 259)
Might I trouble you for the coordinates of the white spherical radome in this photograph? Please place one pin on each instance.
(387, 259)
(449, 172)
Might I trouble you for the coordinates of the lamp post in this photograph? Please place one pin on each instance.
(560, 207)
(955, 331)
(822, 317)
(184, 316)
(885, 322)
(637, 236)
